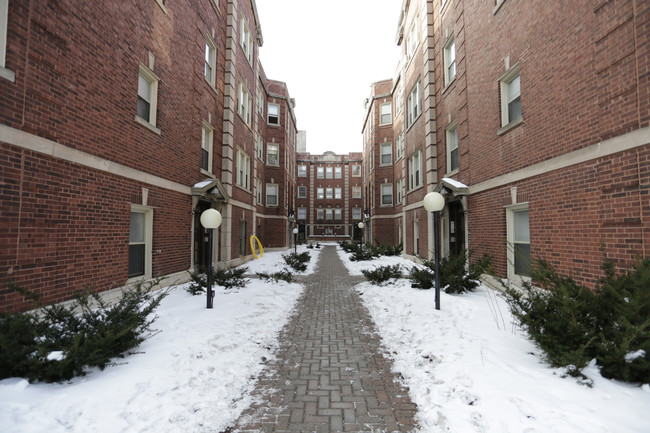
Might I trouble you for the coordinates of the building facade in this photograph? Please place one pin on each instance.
(120, 124)
(538, 136)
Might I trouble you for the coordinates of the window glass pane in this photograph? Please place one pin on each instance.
(144, 88)
(143, 109)
(522, 232)
(136, 260)
(514, 110)
(136, 232)
(513, 89)
(204, 159)
(522, 259)
(454, 159)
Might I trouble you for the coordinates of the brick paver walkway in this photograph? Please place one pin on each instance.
(329, 375)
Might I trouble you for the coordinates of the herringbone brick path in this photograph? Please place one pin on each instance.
(329, 374)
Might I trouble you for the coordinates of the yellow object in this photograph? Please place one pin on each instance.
(259, 244)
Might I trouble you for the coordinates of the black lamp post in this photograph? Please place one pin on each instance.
(295, 240)
(435, 202)
(361, 226)
(210, 219)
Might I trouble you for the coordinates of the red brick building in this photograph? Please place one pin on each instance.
(120, 123)
(538, 135)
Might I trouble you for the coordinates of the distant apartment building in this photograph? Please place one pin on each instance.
(531, 118)
(329, 204)
(120, 123)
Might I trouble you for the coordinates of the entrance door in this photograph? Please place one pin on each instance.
(456, 227)
(201, 243)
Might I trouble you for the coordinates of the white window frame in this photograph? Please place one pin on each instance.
(356, 170)
(386, 154)
(273, 114)
(399, 187)
(207, 144)
(272, 190)
(386, 194)
(414, 105)
(320, 172)
(506, 99)
(413, 39)
(302, 191)
(385, 114)
(244, 104)
(243, 169)
(399, 146)
(356, 192)
(259, 191)
(4, 25)
(338, 193)
(338, 172)
(356, 213)
(147, 74)
(302, 170)
(451, 134)
(302, 213)
(329, 214)
(147, 242)
(329, 193)
(416, 237)
(338, 213)
(210, 65)
(415, 170)
(260, 100)
(272, 149)
(399, 99)
(449, 56)
(320, 214)
(246, 40)
(259, 146)
(320, 193)
(329, 172)
(510, 229)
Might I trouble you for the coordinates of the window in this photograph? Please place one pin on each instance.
(510, 96)
(329, 172)
(329, 193)
(273, 114)
(302, 213)
(243, 170)
(386, 194)
(302, 171)
(386, 154)
(140, 235)
(399, 147)
(356, 192)
(271, 194)
(206, 147)
(452, 147)
(337, 214)
(147, 95)
(320, 172)
(412, 40)
(259, 146)
(260, 100)
(385, 117)
(338, 193)
(399, 186)
(320, 193)
(518, 224)
(338, 173)
(356, 213)
(320, 214)
(302, 192)
(244, 104)
(210, 69)
(414, 107)
(356, 170)
(415, 167)
(450, 60)
(329, 214)
(246, 41)
(416, 237)
(272, 154)
(4, 13)
(399, 96)
(258, 190)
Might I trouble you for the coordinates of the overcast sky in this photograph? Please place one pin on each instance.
(329, 53)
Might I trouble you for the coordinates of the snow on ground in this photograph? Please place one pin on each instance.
(195, 375)
(469, 369)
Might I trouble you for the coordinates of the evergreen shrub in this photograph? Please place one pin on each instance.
(574, 325)
(383, 274)
(453, 276)
(226, 278)
(297, 261)
(283, 275)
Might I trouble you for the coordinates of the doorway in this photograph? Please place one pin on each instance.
(456, 227)
(201, 240)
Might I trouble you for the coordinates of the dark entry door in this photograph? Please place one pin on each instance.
(456, 227)
(201, 243)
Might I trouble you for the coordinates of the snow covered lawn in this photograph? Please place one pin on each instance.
(469, 369)
(195, 375)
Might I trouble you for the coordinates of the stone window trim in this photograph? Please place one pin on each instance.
(507, 123)
(449, 137)
(147, 74)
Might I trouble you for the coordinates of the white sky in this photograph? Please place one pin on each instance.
(329, 53)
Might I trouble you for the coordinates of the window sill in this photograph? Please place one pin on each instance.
(208, 173)
(498, 6)
(212, 86)
(146, 124)
(451, 173)
(7, 74)
(510, 126)
(162, 6)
